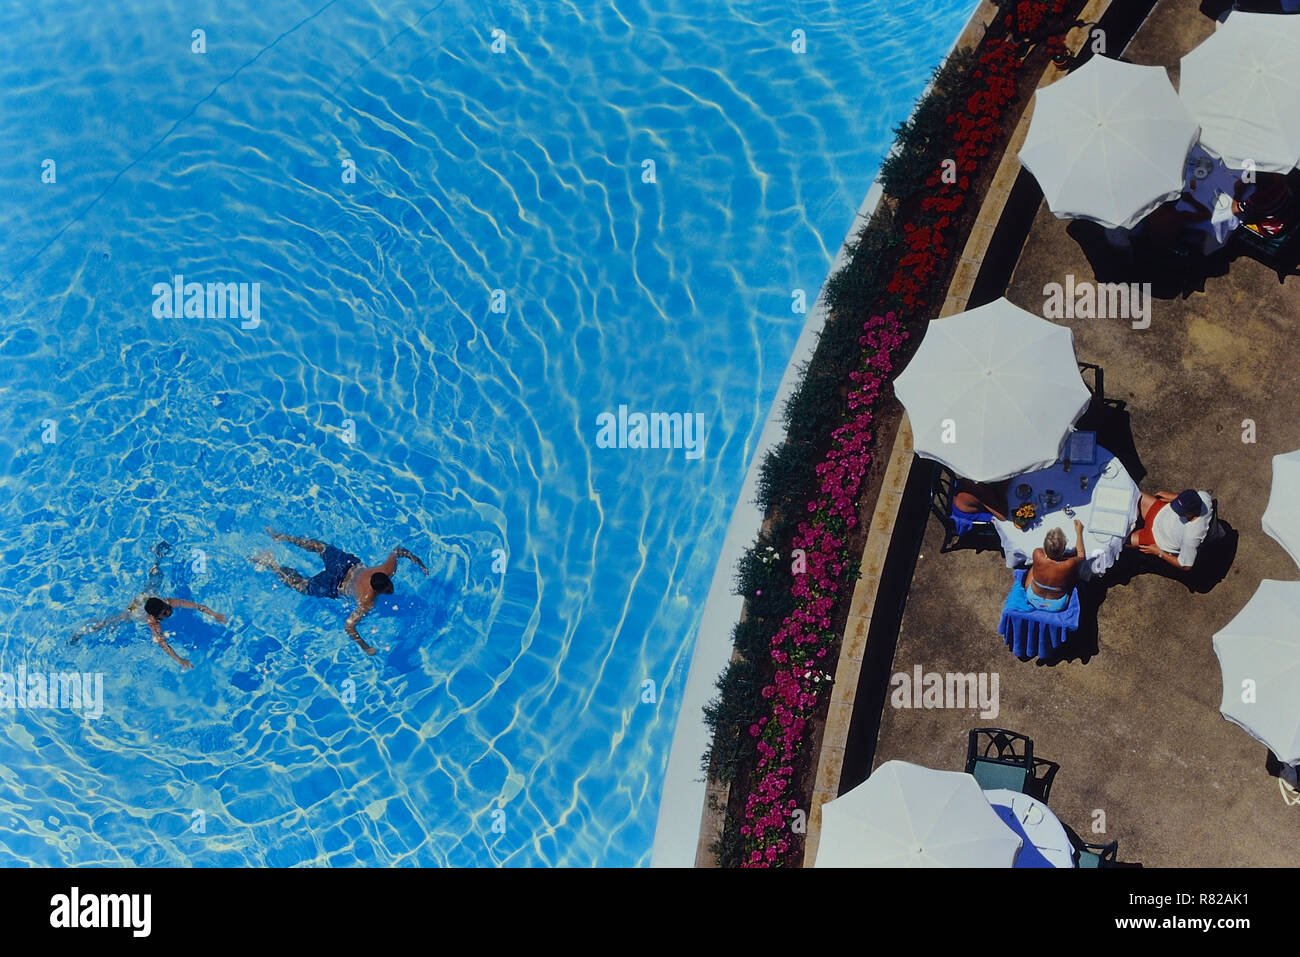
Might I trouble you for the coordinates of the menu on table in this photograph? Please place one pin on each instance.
(1111, 508)
(1081, 448)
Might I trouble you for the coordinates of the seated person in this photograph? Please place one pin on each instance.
(972, 497)
(1263, 203)
(1267, 205)
(1049, 580)
(1173, 526)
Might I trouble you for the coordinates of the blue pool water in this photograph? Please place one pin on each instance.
(506, 718)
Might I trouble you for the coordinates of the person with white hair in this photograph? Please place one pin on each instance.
(1054, 572)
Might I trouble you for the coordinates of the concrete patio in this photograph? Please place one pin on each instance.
(1135, 724)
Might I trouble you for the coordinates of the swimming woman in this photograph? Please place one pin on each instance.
(149, 609)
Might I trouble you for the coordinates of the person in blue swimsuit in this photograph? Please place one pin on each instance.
(344, 576)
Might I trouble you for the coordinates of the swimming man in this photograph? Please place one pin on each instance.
(344, 577)
(147, 608)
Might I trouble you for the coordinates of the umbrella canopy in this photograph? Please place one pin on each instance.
(1108, 142)
(905, 815)
(1262, 646)
(1243, 86)
(1282, 517)
(993, 392)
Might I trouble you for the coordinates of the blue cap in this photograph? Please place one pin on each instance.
(1188, 504)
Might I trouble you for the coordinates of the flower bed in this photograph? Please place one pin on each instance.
(778, 686)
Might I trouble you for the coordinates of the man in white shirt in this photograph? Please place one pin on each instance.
(1173, 526)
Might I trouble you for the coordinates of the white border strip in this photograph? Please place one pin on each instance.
(677, 833)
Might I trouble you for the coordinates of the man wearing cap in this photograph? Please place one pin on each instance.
(1173, 526)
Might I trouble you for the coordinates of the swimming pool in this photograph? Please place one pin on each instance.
(434, 344)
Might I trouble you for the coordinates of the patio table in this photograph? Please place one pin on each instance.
(1214, 188)
(1107, 507)
(1045, 842)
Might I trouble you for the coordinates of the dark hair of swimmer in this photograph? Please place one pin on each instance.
(381, 583)
(157, 608)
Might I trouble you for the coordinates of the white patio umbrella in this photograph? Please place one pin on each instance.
(993, 392)
(1282, 517)
(1242, 84)
(1259, 656)
(1108, 142)
(905, 815)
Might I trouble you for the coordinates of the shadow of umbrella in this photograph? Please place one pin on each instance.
(1155, 258)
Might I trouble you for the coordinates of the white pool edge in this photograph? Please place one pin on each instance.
(677, 832)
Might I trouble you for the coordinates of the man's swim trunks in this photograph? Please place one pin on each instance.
(337, 565)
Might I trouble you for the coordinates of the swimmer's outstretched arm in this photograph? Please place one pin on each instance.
(361, 611)
(161, 642)
(390, 566)
(117, 619)
(185, 603)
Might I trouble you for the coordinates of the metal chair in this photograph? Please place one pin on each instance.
(1098, 380)
(1093, 855)
(1000, 759)
(1216, 530)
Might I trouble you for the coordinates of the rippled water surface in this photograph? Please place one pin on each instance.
(381, 400)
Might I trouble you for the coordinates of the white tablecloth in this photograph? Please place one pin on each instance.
(1040, 825)
(1103, 550)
